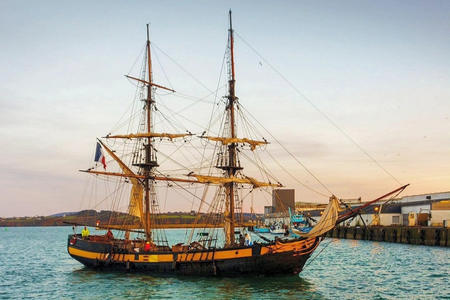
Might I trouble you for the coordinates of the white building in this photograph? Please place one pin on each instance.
(426, 209)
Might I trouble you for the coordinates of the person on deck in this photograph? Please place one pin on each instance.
(248, 240)
(241, 240)
(85, 233)
(147, 246)
(109, 235)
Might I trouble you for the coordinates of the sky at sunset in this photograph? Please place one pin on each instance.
(380, 70)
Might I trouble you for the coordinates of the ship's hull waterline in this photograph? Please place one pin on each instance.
(280, 257)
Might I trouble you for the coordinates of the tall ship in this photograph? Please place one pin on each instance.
(219, 185)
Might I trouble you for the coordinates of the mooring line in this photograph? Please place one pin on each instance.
(328, 118)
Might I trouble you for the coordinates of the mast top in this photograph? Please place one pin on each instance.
(231, 38)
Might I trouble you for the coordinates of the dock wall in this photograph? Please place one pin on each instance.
(416, 235)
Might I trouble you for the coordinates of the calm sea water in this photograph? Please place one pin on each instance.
(34, 264)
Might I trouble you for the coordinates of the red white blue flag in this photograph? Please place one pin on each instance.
(99, 156)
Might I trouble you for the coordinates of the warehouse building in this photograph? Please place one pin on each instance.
(426, 209)
(283, 200)
(432, 209)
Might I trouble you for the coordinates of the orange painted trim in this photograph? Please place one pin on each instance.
(181, 257)
(235, 253)
(299, 248)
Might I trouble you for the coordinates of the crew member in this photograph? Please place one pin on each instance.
(147, 246)
(248, 240)
(109, 235)
(85, 233)
(241, 239)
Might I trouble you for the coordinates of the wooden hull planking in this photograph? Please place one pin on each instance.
(287, 257)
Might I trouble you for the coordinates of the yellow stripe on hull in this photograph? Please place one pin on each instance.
(121, 257)
(84, 253)
(298, 247)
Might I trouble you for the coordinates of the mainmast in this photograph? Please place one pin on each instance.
(150, 159)
(232, 167)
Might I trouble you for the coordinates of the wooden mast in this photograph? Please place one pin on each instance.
(149, 162)
(232, 167)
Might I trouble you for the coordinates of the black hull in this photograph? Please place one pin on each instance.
(279, 258)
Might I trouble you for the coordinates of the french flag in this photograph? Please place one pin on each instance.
(99, 156)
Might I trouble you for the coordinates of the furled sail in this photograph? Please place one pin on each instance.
(226, 141)
(136, 194)
(148, 134)
(326, 222)
(224, 180)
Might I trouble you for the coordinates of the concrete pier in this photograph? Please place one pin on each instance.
(416, 235)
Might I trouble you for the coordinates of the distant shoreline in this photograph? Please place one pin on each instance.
(166, 226)
(109, 218)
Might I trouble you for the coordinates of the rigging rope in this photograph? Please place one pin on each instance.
(182, 187)
(321, 250)
(320, 111)
(204, 152)
(296, 179)
(292, 155)
(181, 67)
(161, 66)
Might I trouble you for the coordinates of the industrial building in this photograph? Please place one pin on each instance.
(432, 209)
(426, 209)
(282, 201)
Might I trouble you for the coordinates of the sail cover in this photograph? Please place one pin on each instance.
(326, 222)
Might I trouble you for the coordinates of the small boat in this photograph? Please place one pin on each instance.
(261, 229)
(139, 171)
(299, 222)
(278, 228)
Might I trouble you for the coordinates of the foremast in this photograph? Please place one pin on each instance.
(150, 158)
(147, 174)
